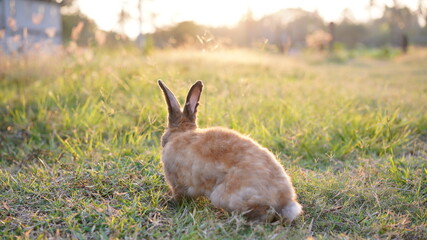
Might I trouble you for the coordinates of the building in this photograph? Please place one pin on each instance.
(27, 25)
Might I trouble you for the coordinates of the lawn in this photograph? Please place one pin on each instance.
(80, 142)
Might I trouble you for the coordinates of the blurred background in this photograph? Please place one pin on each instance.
(286, 27)
(336, 89)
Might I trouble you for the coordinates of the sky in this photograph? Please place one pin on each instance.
(159, 13)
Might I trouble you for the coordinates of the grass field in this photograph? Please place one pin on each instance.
(80, 153)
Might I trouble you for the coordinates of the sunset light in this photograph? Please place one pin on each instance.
(220, 119)
(159, 13)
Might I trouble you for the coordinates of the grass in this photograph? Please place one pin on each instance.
(80, 154)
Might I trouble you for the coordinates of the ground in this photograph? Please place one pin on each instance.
(80, 142)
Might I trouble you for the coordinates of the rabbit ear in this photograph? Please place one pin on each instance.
(192, 101)
(173, 105)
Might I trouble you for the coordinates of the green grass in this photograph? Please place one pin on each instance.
(80, 154)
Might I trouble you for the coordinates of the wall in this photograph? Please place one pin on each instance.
(30, 25)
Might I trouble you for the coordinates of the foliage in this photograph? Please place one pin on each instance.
(80, 151)
(351, 34)
(182, 34)
(288, 29)
(148, 45)
(318, 40)
(86, 35)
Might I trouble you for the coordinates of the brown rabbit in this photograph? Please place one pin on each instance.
(232, 170)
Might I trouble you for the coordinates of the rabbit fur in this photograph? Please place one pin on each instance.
(232, 170)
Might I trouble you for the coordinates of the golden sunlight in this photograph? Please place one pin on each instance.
(160, 13)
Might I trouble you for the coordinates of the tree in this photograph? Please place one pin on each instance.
(66, 3)
(124, 17)
(370, 7)
(350, 33)
(400, 20)
(248, 22)
(185, 33)
(422, 11)
(87, 32)
(304, 25)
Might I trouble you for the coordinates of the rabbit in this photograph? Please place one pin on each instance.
(233, 171)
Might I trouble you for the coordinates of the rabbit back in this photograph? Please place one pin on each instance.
(232, 170)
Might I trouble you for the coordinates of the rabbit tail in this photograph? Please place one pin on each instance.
(291, 211)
